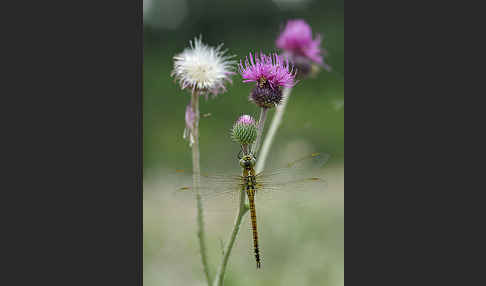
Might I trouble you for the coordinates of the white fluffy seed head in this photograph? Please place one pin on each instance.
(203, 68)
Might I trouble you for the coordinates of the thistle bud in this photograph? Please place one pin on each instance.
(244, 130)
(190, 117)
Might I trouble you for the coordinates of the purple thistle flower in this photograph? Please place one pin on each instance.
(270, 73)
(271, 70)
(297, 43)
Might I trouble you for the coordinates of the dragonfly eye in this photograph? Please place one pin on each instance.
(247, 162)
(243, 163)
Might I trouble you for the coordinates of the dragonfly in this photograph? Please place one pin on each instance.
(294, 176)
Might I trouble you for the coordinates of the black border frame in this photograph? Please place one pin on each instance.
(140, 140)
(69, 184)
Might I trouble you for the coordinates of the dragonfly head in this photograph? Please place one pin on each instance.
(248, 161)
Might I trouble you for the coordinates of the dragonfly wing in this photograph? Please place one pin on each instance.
(305, 166)
(303, 174)
(307, 163)
(211, 185)
(219, 192)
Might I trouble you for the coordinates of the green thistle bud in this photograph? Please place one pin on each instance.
(244, 130)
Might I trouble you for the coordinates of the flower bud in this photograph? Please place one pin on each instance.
(190, 117)
(244, 130)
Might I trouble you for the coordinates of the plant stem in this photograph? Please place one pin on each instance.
(276, 121)
(196, 181)
(242, 210)
(244, 148)
(261, 124)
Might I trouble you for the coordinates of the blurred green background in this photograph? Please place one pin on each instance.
(302, 244)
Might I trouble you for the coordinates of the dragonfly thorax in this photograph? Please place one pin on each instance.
(248, 162)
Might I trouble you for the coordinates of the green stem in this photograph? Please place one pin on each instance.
(196, 181)
(261, 124)
(276, 121)
(242, 210)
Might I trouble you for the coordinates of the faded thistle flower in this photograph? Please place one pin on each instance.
(270, 74)
(203, 68)
(304, 52)
(244, 131)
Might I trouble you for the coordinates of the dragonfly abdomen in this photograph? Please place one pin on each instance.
(251, 198)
